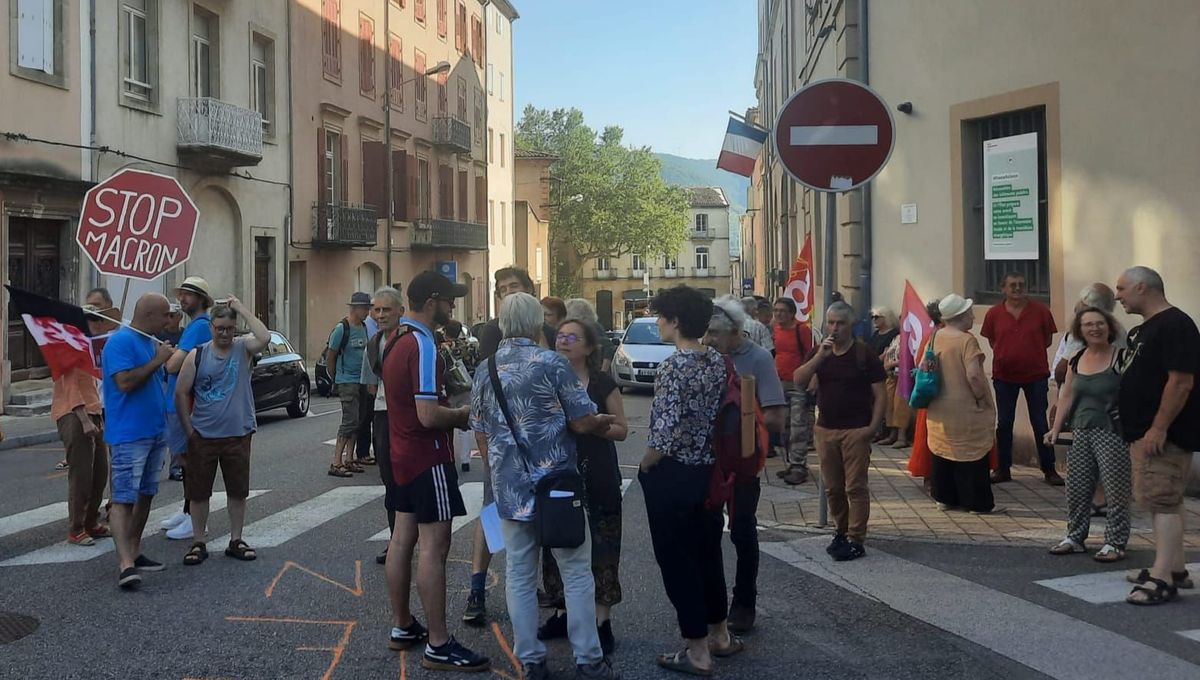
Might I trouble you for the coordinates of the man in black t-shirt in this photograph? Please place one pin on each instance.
(850, 408)
(1160, 418)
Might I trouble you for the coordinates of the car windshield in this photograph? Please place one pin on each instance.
(645, 333)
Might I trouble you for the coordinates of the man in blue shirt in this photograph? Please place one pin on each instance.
(194, 300)
(344, 355)
(134, 425)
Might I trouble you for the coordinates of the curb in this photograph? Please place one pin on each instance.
(22, 440)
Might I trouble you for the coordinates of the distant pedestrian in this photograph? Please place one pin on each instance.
(386, 309)
(135, 422)
(765, 313)
(582, 310)
(555, 310)
(793, 343)
(961, 419)
(1160, 418)
(725, 335)
(215, 383)
(424, 491)
(174, 330)
(758, 333)
(1087, 399)
(75, 410)
(675, 474)
(1096, 295)
(885, 330)
(366, 413)
(344, 353)
(1019, 331)
(524, 429)
(850, 406)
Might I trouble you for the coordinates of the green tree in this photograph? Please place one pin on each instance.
(607, 199)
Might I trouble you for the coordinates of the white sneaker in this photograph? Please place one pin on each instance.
(181, 532)
(175, 520)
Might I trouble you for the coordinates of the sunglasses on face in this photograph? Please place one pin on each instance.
(568, 338)
(876, 317)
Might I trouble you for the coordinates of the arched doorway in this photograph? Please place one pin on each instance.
(217, 248)
(368, 278)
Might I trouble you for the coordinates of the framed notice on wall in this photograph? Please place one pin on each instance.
(1010, 198)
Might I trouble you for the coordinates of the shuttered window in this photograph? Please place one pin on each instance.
(396, 70)
(366, 55)
(331, 37)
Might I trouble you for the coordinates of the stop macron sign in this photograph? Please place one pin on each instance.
(834, 135)
(137, 224)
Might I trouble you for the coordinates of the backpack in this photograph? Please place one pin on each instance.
(731, 464)
(324, 377)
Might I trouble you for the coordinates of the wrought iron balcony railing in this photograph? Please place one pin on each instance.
(343, 226)
(219, 133)
(436, 232)
(452, 132)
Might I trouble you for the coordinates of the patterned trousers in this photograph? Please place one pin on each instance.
(1098, 454)
(802, 407)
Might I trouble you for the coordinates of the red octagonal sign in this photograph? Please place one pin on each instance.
(834, 135)
(138, 224)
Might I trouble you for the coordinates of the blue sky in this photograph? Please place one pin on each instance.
(667, 71)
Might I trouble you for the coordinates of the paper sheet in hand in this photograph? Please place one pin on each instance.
(489, 517)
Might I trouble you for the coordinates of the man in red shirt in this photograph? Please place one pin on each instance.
(424, 491)
(1019, 332)
(792, 345)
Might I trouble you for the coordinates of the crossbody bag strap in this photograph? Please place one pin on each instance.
(502, 402)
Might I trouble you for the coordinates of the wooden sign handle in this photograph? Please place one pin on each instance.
(749, 394)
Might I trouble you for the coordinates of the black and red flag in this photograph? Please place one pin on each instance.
(60, 329)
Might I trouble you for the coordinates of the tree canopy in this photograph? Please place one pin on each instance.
(607, 199)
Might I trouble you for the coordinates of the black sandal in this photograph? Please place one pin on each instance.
(1179, 579)
(681, 663)
(240, 551)
(197, 554)
(1153, 591)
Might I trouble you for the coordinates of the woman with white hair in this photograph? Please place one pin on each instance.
(961, 419)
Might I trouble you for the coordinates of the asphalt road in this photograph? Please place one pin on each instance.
(314, 606)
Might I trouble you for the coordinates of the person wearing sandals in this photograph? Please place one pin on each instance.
(961, 419)
(386, 309)
(1098, 453)
(1159, 411)
(215, 404)
(578, 341)
(75, 409)
(674, 476)
(347, 343)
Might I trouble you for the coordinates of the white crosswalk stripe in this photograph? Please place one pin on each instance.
(15, 524)
(937, 598)
(1105, 587)
(283, 526)
(65, 552)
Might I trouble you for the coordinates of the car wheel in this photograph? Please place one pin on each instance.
(299, 407)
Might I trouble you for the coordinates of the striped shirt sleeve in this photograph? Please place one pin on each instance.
(427, 386)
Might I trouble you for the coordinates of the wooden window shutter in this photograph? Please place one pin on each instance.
(345, 178)
(480, 199)
(399, 184)
(414, 189)
(441, 18)
(462, 196)
(374, 180)
(396, 70)
(321, 166)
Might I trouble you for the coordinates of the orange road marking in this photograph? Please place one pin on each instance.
(504, 675)
(356, 591)
(338, 650)
(403, 665)
(508, 652)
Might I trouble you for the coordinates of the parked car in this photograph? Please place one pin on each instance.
(635, 364)
(279, 379)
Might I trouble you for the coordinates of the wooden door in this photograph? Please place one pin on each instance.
(33, 264)
(262, 278)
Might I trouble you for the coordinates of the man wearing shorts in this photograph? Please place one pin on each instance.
(1160, 418)
(344, 355)
(214, 385)
(424, 491)
(135, 421)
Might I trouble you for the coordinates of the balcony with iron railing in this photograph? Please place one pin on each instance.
(343, 226)
(703, 272)
(218, 134)
(702, 234)
(451, 132)
(446, 234)
(637, 272)
(672, 272)
(604, 274)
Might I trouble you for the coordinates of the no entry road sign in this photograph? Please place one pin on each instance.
(834, 135)
(137, 224)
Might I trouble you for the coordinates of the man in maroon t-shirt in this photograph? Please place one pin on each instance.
(850, 408)
(1019, 332)
(424, 491)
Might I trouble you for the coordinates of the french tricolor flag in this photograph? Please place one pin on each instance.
(741, 147)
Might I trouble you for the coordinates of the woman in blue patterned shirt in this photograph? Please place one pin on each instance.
(675, 475)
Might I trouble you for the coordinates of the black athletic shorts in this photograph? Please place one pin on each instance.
(433, 496)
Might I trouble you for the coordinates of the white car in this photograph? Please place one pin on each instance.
(635, 364)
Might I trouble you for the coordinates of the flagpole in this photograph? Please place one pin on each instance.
(742, 118)
(121, 322)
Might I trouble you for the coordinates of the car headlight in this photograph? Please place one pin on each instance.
(622, 360)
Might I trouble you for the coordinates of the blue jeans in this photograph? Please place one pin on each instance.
(1006, 411)
(521, 574)
(135, 468)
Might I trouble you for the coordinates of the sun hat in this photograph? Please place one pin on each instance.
(197, 285)
(954, 305)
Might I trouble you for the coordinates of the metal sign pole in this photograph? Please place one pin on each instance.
(829, 278)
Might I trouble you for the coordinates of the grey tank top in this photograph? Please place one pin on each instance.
(1095, 396)
(224, 400)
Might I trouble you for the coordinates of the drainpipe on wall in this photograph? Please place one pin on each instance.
(287, 222)
(93, 157)
(864, 274)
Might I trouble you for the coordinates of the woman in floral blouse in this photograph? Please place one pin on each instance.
(675, 475)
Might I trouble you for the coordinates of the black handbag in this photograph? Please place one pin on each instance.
(559, 520)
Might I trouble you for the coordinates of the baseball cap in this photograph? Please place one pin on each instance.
(430, 284)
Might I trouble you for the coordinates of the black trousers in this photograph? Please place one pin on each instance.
(366, 413)
(687, 543)
(962, 485)
(383, 459)
(743, 531)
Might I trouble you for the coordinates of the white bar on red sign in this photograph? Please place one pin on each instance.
(834, 135)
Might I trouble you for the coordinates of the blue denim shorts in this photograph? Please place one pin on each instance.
(135, 468)
(177, 441)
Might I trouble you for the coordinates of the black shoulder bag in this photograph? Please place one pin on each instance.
(558, 513)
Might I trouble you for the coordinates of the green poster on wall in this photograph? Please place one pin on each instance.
(1010, 200)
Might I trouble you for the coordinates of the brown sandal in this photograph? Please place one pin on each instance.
(339, 471)
(681, 663)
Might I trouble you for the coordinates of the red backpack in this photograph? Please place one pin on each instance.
(731, 466)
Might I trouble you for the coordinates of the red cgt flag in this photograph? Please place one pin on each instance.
(915, 324)
(59, 329)
(800, 287)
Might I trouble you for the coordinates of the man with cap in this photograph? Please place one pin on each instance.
(424, 484)
(194, 300)
(344, 354)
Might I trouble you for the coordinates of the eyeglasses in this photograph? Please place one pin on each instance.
(568, 338)
(225, 330)
(875, 316)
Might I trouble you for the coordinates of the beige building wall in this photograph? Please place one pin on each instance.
(433, 221)
(204, 96)
(532, 228)
(499, 77)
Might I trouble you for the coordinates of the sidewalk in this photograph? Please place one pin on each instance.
(1035, 513)
(26, 431)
